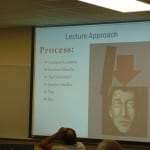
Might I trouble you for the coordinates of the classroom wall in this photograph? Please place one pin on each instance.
(15, 61)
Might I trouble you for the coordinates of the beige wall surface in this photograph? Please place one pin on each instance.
(15, 53)
(15, 46)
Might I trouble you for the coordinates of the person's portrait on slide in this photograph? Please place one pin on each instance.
(125, 111)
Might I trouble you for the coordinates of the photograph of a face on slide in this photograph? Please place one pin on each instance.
(119, 85)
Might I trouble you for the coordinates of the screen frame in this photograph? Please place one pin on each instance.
(127, 144)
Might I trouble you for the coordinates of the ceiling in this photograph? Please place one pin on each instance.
(60, 12)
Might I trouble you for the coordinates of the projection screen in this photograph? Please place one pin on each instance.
(94, 79)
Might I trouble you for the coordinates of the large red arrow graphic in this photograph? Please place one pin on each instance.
(124, 69)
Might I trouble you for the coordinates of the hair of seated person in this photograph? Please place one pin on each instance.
(109, 145)
(70, 139)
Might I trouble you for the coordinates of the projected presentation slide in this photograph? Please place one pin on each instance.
(94, 79)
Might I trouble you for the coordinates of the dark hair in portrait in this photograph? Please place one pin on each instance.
(139, 124)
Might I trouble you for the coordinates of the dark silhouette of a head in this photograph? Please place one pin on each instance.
(69, 137)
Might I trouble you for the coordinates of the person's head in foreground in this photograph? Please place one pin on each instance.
(64, 136)
(69, 136)
(109, 145)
